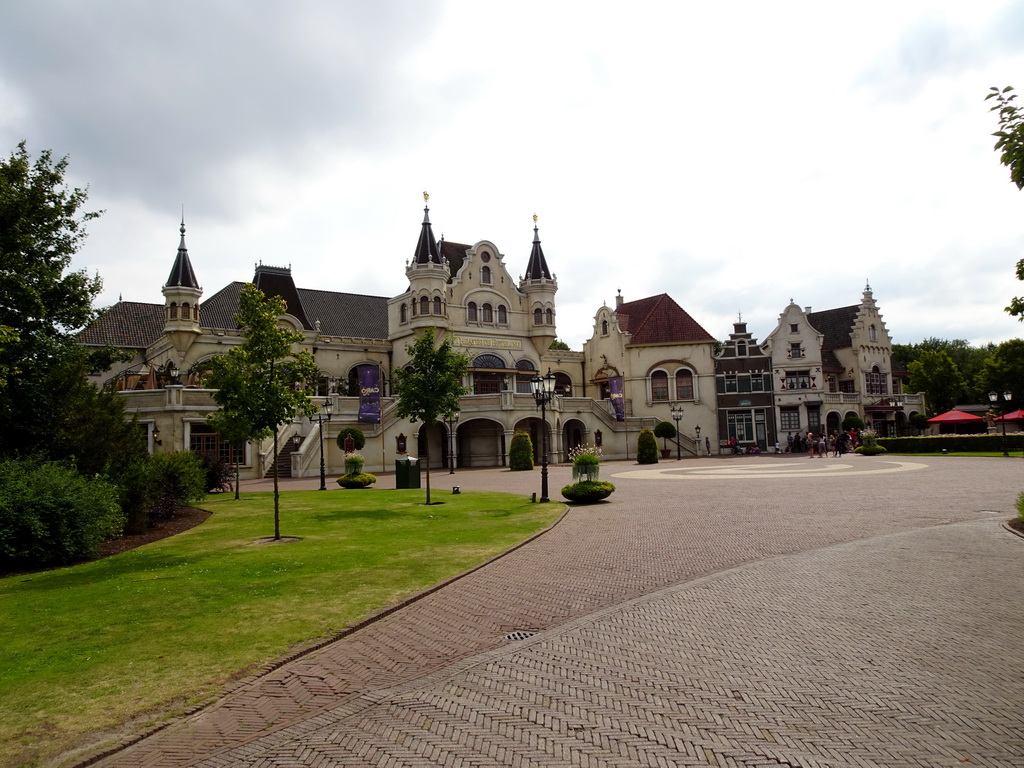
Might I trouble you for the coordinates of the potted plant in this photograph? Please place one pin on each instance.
(354, 476)
(586, 468)
(665, 430)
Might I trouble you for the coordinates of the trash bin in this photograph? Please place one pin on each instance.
(407, 472)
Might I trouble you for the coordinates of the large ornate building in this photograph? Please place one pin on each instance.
(644, 358)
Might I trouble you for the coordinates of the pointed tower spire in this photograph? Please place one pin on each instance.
(181, 273)
(426, 248)
(537, 268)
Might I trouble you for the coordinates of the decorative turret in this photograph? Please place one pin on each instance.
(181, 300)
(540, 287)
(429, 273)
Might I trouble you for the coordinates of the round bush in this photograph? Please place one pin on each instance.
(588, 491)
(869, 450)
(357, 437)
(357, 480)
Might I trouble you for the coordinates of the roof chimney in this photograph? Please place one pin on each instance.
(807, 310)
(618, 299)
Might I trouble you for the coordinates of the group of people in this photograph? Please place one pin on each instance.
(821, 445)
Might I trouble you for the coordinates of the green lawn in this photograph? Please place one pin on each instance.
(160, 628)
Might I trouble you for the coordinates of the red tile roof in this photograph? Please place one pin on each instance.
(659, 320)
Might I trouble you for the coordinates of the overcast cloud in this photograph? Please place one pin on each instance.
(734, 155)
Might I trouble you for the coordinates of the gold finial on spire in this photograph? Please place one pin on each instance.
(426, 197)
(535, 218)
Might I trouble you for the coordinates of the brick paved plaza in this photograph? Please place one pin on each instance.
(759, 611)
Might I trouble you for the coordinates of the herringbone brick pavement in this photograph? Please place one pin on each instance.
(621, 703)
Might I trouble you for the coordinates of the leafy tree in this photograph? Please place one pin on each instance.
(235, 429)
(968, 359)
(1004, 372)
(1010, 145)
(41, 304)
(935, 374)
(559, 344)
(262, 383)
(853, 421)
(429, 388)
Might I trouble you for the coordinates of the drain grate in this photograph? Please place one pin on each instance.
(519, 634)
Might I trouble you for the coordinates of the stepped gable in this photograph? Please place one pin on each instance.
(128, 324)
(835, 324)
(659, 320)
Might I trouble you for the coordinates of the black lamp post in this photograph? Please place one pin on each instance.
(994, 398)
(452, 421)
(699, 449)
(677, 416)
(543, 391)
(328, 408)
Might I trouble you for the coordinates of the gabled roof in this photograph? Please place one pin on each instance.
(659, 320)
(835, 324)
(127, 324)
(277, 281)
(456, 255)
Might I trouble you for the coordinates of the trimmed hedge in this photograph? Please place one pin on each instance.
(520, 452)
(588, 491)
(952, 443)
(51, 515)
(646, 448)
(358, 438)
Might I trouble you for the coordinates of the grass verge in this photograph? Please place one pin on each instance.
(152, 631)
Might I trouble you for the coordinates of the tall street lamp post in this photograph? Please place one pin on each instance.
(328, 407)
(543, 391)
(699, 449)
(994, 398)
(452, 421)
(677, 416)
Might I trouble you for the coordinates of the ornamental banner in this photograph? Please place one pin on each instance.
(617, 398)
(369, 394)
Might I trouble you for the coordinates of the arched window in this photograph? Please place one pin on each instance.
(488, 313)
(502, 315)
(538, 316)
(487, 382)
(684, 384)
(185, 311)
(424, 305)
(563, 384)
(873, 333)
(604, 327)
(659, 385)
(525, 371)
(173, 311)
(549, 317)
(403, 314)
(471, 311)
(485, 275)
(437, 305)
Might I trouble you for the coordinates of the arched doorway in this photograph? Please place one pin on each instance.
(537, 429)
(573, 434)
(481, 443)
(832, 422)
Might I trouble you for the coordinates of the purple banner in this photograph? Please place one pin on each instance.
(617, 398)
(369, 394)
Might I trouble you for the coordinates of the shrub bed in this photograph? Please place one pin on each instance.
(520, 452)
(51, 515)
(952, 443)
(588, 491)
(357, 480)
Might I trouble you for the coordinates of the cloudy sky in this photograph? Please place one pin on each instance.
(734, 155)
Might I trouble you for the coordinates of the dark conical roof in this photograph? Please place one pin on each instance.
(426, 248)
(181, 273)
(538, 265)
